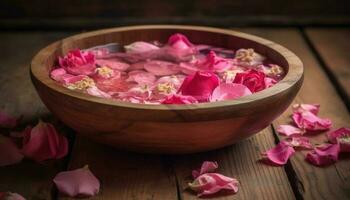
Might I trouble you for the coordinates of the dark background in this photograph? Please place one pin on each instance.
(91, 14)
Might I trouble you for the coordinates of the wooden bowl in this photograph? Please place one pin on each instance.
(173, 129)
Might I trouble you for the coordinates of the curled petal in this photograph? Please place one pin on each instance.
(253, 79)
(7, 121)
(9, 152)
(280, 154)
(309, 121)
(289, 130)
(179, 41)
(229, 91)
(299, 142)
(43, 142)
(313, 108)
(10, 196)
(179, 99)
(324, 155)
(113, 64)
(141, 77)
(341, 136)
(161, 68)
(77, 183)
(207, 166)
(140, 47)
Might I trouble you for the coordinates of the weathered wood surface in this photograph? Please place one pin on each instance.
(333, 48)
(331, 182)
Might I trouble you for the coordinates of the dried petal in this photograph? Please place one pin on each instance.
(179, 99)
(299, 142)
(43, 142)
(279, 154)
(9, 152)
(289, 130)
(7, 121)
(211, 183)
(77, 183)
(140, 47)
(207, 166)
(229, 91)
(309, 121)
(341, 136)
(324, 155)
(313, 108)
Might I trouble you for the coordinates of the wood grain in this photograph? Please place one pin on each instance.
(331, 182)
(165, 128)
(18, 97)
(333, 47)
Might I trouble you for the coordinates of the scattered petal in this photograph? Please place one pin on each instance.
(299, 142)
(43, 142)
(9, 152)
(324, 155)
(253, 79)
(229, 91)
(211, 183)
(279, 154)
(7, 121)
(207, 166)
(309, 121)
(77, 183)
(341, 136)
(289, 130)
(313, 108)
(179, 99)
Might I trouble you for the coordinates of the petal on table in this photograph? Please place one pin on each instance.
(313, 108)
(299, 142)
(207, 166)
(279, 154)
(7, 121)
(341, 136)
(324, 155)
(289, 130)
(9, 152)
(309, 121)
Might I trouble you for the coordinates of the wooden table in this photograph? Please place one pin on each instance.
(124, 175)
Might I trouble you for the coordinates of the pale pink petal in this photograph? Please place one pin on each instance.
(269, 82)
(70, 79)
(58, 74)
(161, 68)
(94, 91)
(179, 99)
(211, 183)
(43, 142)
(324, 155)
(341, 136)
(7, 121)
(140, 47)
(299, 142)
(10, 196)
(113, 64)
(77, 183)
(207, 166)
(309, 121)
(141, 77)
(289, 130)
(9, 152)
(280, 154)
(313, 108)
(229, 91)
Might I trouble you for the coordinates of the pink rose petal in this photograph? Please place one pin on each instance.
(9, 152)
(214, 63)
(341, 136)
(324, 155)
(179, 99)
(289, 130)
(77, 62)
(269, 82)
(94, 91)
(113, 64)
(58, 74)
(179, 41)
(77, 183)
(309, 121)
(7, 121)
(43, 142)
(229, 91)
(280, 154)
(10, 196)
(211, 183)
(207, 166)
(313, 108)
(112, 85)
(161, 68)
(299, 142)
(141, 77)
(140, 47)
(253, 79)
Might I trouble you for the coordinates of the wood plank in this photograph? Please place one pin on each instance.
(333, 46)
(241, 160)
(17, 96)
(331, 182)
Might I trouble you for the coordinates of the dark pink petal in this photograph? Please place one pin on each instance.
(113, 64)
(140, 47)
(324, 155)
(229, 91)
(289, 130)
(77, 62)
(253, 79)
(341, 136)
(179, 41)
(207, 166)
(179, 99)
(280, 154)
(77, 183)
(161, 68)
(10, 196)
(43, 142)
(313, 108)
(309, 121)
(200, 85)
(9, 152)
(211, 183)
(299, 142)
(141, 77)
(7, 121)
